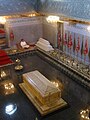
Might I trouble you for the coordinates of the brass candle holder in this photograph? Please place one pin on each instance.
(18, 65)
(85, 114)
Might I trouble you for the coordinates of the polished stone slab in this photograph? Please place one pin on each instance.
(75, 94)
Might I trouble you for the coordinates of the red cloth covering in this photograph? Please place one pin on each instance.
(4, 58)
(2, 53)
(2, 31)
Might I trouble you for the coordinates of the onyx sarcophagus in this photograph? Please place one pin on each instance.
(42, 93)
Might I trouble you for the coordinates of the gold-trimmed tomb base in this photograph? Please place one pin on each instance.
(43, 109)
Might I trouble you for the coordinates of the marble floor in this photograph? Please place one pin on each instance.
(24, 109)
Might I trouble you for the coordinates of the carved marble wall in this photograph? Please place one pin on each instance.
(50, 32)
(30, 29)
